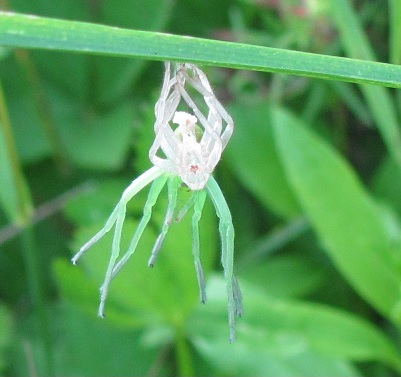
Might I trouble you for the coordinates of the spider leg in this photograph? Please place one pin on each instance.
(215, 106)
(172, 184)
(192, 105)
(184, 209)
(212, 140)
(168, 142)
(115, 248)
(202, 85)
(137, 185)
(207, 127)
(226, 230)
(199, 202)
(153, 195)
(115, 251)
(109, 224)
(228, 131)
(237, 297)
(165, 138)
(166, 106)
(167, 84)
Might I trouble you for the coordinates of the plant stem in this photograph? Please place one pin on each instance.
(184, 363)
(26, 31)
(43, 109)
(36, 290)
(15, 193)
(20, 213)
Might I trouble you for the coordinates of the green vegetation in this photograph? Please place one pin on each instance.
(311, 175)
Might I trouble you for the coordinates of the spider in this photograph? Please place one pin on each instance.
(186, 154)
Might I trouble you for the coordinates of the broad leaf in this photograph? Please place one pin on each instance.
(343, 214)
(255, 161)
(286, 338)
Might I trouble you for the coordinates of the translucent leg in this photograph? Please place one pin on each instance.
(227, 260)
(186, 97)
(117, 217)
(154, 193)
(137, 185)
(115, 250)
(202, 85)
(184, 209)
(199, 202)
(173, 184)
(226, 230)
(237, 297)
(109, 224)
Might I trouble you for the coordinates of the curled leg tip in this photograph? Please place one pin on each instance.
(150, 265)
(232, 334)
(100, 311)
(203, 298)
(239, 311)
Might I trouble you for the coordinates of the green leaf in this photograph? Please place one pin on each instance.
(8, 196)
(349, 95)
(378, 99)
(189, 17)
(254, 159)
(283, 337)
(73, 9)
(86, 138)
(14, 193)
(306, 276)
(74, 79)
(344, 216)
(85, 346)
(26, 31)
(74, 68)
(93, 347)
(5, 336)
(395, 31)
(386, 183)
(115, 76)
(30, 139)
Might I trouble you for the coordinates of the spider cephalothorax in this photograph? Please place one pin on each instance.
(193, 160)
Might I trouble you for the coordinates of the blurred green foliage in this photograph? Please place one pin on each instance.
(311, 176)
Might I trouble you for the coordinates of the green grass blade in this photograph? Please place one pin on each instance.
(18, 30)
(15, 200)
(344, 216)
(395, 31)
(357, 46)
(15, 197)
(286, 337)
(261, 171)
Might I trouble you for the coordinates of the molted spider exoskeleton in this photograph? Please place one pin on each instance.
(188, 153)
(184, 153)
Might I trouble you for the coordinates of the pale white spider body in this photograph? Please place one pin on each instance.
(192, 161)
(182, 153)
